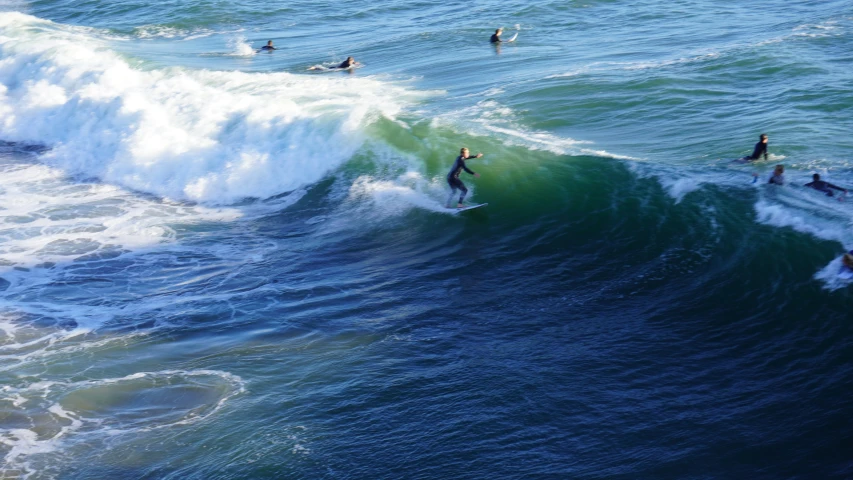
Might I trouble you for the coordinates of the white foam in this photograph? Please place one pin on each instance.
(830, 277)
(678, 188)
(598, 67)
(162, 31)
(791, 214)
(240, 47)
(817, 30)
(208, 136)
(489, 117)
(48, 219)
(395, 197)
(50, 405)
(812, 213)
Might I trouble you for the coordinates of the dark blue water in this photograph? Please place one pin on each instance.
(215, 263)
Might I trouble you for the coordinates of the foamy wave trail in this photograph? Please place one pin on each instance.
(812, 213)
(65, 413)
(207, 136)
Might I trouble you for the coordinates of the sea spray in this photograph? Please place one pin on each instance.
(207, 136)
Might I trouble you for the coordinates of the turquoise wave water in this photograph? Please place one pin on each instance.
(217, 264)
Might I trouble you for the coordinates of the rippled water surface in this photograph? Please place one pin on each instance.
(217, 263)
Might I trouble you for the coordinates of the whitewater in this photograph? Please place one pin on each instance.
(216, 263)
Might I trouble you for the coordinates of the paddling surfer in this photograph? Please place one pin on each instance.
(268, 46)
(349, 62)
(496, 37)
(759, 150)
(453, 176)
(778, 177)
(822, 186)
(346, 64)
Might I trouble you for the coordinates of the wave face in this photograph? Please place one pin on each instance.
(216, 263)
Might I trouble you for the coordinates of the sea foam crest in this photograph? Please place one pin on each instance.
(208, 136)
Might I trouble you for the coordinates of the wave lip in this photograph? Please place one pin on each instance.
(206, 136)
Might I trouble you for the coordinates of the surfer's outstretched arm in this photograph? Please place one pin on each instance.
(836, 187)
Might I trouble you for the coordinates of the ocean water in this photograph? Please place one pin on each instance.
(217, 264)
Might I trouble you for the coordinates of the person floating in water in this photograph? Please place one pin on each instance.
(453, 176)
(268, 46)
(822, 186)
(496, 37)
(760, 149)
(778, 177)
(346, 64)
(847, 260)
(846, 270)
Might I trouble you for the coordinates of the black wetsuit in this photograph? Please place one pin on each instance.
(267, 47)
(453, 176)
(760, 149)
(346, 64)
(824, 187)
(495, 38)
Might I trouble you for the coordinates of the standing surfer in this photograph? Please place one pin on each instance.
(453, 176)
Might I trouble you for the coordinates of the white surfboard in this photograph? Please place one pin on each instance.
(513, 37)
(463, 209)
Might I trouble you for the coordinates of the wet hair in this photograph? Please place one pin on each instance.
(847, 259)
(816, 176)
(779, 168)
(269, 42)
(499, 30)
(463, 149)
(762, 136)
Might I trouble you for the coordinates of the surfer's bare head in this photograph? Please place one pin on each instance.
(269, 42)
(763, 137)
(847, 260)
(464, 151)
(498, 31)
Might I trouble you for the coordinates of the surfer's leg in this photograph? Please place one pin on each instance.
(464, 191)
(452, 191)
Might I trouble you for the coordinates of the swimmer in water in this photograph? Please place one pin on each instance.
(268, 46)
(453, 176)
(496, 37)
(346, 64)
(847, 260)
(778, 177)
(822, 186)
(760, 149)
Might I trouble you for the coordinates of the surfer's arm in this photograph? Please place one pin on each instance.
(836, 187)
